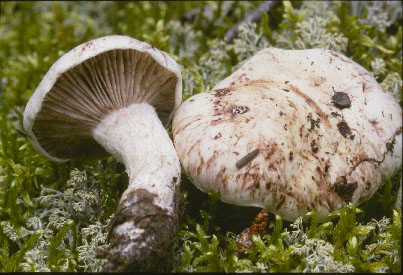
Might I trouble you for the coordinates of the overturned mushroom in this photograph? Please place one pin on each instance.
(115, 94)
(291, 131)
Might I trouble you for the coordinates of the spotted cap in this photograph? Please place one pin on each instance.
(291, 131)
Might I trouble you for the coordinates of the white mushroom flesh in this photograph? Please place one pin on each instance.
(136, 137)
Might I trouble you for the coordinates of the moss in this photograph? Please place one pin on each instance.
(53, 216)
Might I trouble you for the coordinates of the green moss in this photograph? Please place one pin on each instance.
(53, 216)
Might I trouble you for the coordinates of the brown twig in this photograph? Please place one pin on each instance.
(207, 13)
(243, 161)
(254, 16)
(190, 16)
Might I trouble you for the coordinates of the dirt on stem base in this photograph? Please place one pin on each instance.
(148, 242)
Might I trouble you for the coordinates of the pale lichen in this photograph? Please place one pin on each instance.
(93, 238)
(380, 14)
(35, 260)
(249, 42)
(213, 64)
(378, 67)
(393, 84)
(56, 208)
(313, 33)
(317, 256)
(184, 40)
(380, 225)
(9, 230)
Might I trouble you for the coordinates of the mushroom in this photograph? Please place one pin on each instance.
(291, 131)
(114, 95)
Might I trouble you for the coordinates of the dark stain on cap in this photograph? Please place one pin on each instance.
(344, 189)
(344, 129)
(341, 100)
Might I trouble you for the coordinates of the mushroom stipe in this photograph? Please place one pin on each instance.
(157, 237)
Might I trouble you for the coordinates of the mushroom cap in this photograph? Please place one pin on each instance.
(291, 131)
(92, 80)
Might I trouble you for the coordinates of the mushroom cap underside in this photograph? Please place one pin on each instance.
(92, 80)
(287, 143)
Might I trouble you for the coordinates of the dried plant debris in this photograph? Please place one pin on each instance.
(345, 130)
(247, 158)
(344, 189)
(257, 228)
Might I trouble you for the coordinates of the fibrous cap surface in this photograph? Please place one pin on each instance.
(291, 131)
(89, 82)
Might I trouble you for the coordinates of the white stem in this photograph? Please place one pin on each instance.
(136, 137)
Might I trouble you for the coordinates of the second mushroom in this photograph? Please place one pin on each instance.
(115, 94)
(291, 131)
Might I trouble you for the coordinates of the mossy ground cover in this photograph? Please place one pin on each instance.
(53, 216)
